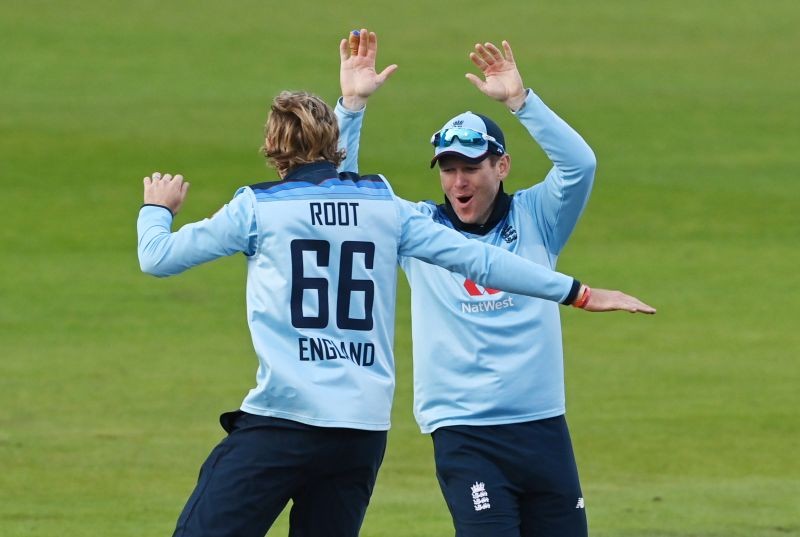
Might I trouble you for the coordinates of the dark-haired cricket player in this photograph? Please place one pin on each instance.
(488, 364)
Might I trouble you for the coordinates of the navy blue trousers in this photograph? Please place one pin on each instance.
(514, 480)
(263, 463)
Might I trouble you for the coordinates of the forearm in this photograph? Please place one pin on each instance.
(153, 228)
(500, 269)
(572, 157)
(164, 253)
(487, 265)
(350, 121)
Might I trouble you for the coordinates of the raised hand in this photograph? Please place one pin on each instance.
(357, 74)
(502, 79)
(167, 191)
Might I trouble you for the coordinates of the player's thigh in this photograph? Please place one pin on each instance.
(553, 504)
(481, 499)
(334, 500)
(244, 484)
(553, 515)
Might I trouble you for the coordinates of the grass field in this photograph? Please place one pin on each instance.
(685, 424)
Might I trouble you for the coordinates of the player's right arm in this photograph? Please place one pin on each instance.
(494, 267)
(350, 122)
(164, 253)
(359, 80)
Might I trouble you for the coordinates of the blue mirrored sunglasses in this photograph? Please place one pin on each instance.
(467, 137)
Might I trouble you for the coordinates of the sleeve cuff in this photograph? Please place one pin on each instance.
(340, 107)
(156, 205)
(573, 292)
(528, 94)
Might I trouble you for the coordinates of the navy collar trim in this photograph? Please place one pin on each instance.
(315, 173)
(502, 204)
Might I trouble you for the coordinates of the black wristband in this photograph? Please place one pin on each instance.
(573, 292)
(157, 205)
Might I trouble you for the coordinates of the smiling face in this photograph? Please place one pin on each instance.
(472, 188)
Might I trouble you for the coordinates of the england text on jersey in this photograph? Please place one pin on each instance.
(317, 349)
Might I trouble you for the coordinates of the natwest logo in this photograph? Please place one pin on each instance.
(473, 289)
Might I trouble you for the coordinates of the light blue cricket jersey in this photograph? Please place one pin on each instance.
(322, 251)
(487, 357)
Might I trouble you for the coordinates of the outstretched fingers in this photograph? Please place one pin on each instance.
(363, 42)
(637, 306)
(493, 52)
(632, 304)
(508, 52)
(480, 57)
(372, 45)
(607, 300)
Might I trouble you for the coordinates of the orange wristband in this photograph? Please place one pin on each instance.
(581, 301)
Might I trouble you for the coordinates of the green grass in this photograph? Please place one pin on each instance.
(684, 424)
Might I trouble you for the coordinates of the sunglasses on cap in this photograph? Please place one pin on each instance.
(466, 137)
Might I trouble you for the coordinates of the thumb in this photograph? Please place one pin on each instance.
(477, 82)
(384, 75)
(343, 52)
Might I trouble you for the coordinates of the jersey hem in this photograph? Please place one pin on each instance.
(316, 422)
(427, 429)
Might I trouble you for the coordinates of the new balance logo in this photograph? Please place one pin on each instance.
(480, 498)
(580, 504)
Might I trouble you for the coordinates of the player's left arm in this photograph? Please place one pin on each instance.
(164, 253)
(560, 200)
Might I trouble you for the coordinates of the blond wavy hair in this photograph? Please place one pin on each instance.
(301, 128)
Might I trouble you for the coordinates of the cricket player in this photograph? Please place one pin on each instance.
(321, 250)
(488, 364)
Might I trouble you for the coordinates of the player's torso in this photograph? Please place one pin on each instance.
(518, 233)
(482, 355)
(321, 293)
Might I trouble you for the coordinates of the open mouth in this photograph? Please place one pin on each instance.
(463, 199)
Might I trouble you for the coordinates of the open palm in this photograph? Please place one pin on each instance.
(502, 81)
(357, 74)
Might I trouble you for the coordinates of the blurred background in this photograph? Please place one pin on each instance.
(684, 424)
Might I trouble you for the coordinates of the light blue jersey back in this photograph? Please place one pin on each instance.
(321, 292)
(322, 251)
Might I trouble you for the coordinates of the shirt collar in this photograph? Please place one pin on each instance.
(313, 172)
(502, 204)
